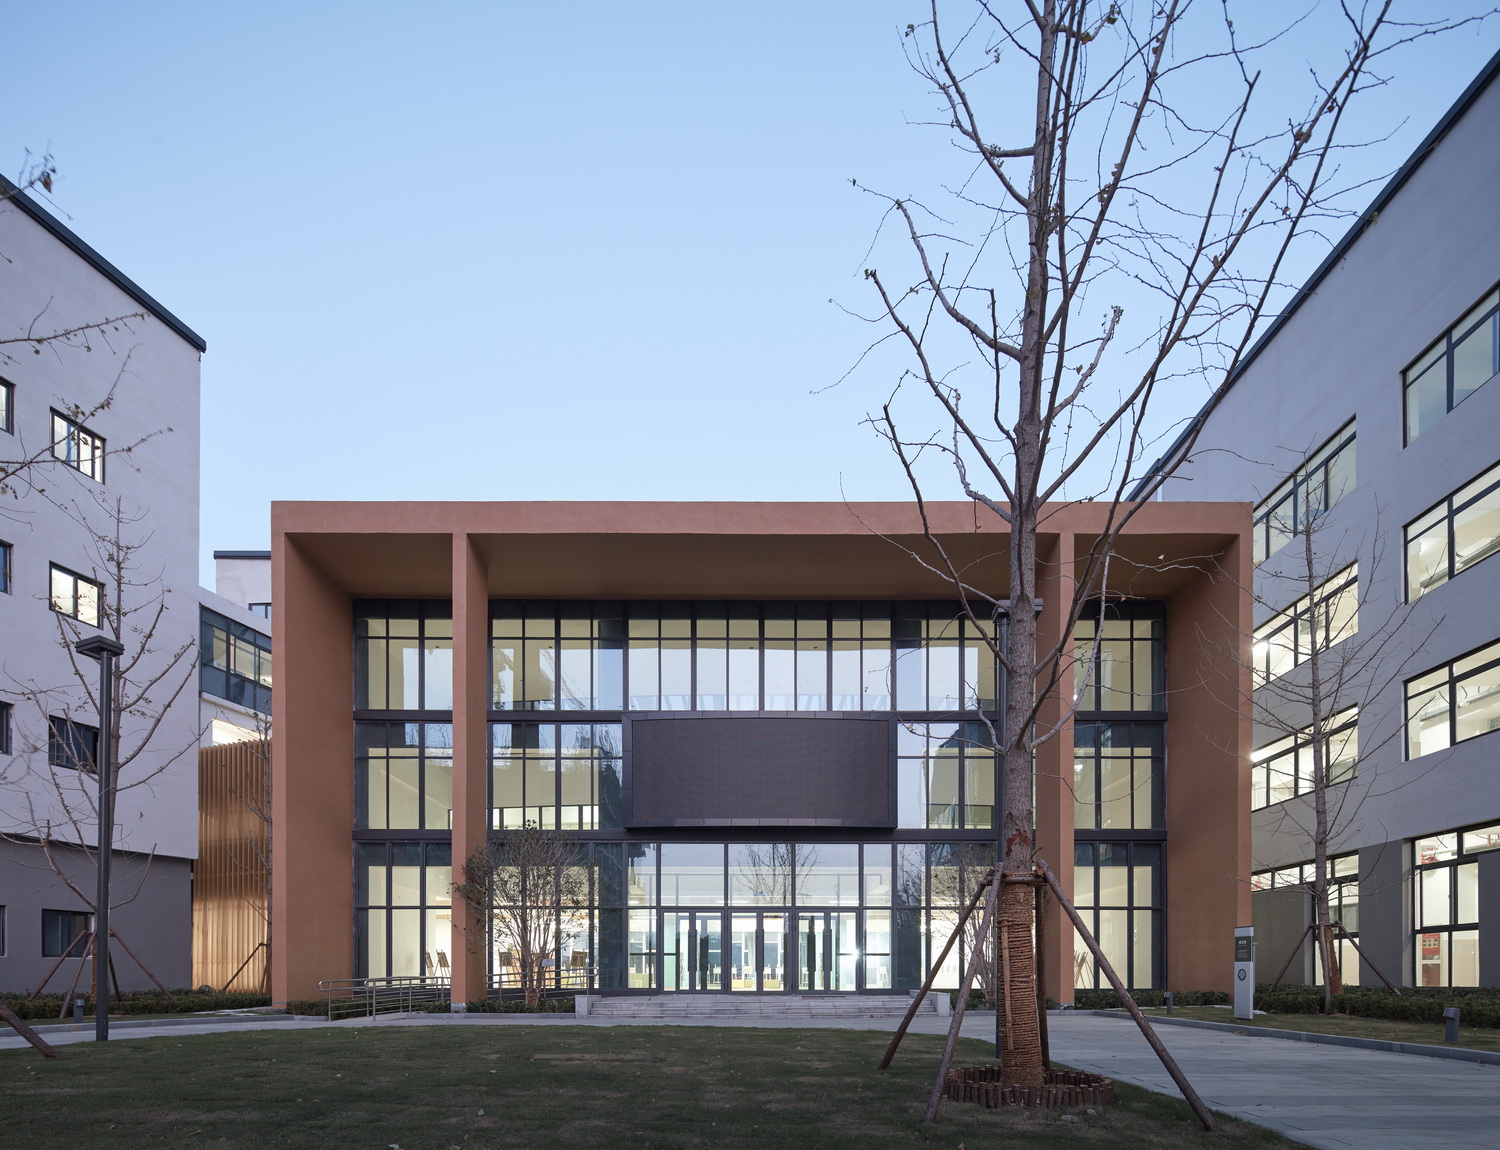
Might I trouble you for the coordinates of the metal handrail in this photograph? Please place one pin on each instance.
(352, 997)
(567, 979)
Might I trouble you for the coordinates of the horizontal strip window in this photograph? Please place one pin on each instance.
(1119, 658)
(1454, 535)
(1315, 622)
(403, 655)
(234, 661)
(1340, 867)
(1283, 769)
(741, 656)
(1454, 368)
(77, 446)
(1326, 477)
(1118, 776)
(1454, 702)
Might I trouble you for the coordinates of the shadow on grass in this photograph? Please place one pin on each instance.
(519, 1086)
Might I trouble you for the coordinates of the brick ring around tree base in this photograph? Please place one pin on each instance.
(981, 1084)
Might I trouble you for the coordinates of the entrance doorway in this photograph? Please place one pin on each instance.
(715, 950)
(827, 950)
(692, 950)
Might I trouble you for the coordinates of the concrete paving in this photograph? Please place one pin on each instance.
(1326, 1096)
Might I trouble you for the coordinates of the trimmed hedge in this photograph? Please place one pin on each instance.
(1480, 1005)
(46, 1006)
(1109, 1000)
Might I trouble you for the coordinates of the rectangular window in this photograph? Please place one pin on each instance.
(71, 745)
(1117, 888)
(1454, 535)
(76, 595)
(555, 775)
(2, 932)
(7, 406)
(1314, 622)
(1452, 703)
(5, 728)
(403, 776)
(1117, 776)
(1283, 769)
(1118, 658)
(1454, 368)
(945, 776)
(1446, 891)
(403, 655)
(403, 909)
(4, 566)
(65, 933)
(234, 661)
(77, 446)
(1326, 477)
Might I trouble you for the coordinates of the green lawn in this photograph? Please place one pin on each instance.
(537, 1087)
(1429, 1034)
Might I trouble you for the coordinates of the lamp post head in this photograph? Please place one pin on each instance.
(97, 646)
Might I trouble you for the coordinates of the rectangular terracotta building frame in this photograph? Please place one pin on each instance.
(1145, 799)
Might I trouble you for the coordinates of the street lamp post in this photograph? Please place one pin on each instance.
(106, 651)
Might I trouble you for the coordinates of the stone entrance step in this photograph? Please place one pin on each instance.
(757, 1005)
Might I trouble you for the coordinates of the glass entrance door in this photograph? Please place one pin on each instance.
(692, 945)
(757, 951)
(827, 950)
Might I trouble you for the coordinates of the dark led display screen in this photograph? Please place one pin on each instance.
(720, 772)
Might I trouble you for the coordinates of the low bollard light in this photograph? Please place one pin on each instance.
(1450, 1024)
(1170, 998)
(78, 1011)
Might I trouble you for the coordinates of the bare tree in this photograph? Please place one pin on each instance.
(532, 887)
(1146, 167)
(23, 470)
(53, 799)
(1315, 671)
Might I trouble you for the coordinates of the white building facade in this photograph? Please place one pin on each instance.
(99, 525)
(1373, 409)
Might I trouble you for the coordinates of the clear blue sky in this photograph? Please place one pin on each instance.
(514, 251)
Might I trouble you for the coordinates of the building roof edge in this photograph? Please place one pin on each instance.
(1404, 173)
(41, 215)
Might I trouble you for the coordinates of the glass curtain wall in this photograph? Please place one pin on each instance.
(1119, 790)
(739, 656)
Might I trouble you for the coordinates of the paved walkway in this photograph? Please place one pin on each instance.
(1326, 1096)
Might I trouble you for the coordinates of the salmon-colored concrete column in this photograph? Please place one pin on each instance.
(471, 695)
(1208, 769)
(312, 776)
(1054, 758)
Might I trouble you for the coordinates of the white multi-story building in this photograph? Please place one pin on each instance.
(98, 536)
(1371, 412)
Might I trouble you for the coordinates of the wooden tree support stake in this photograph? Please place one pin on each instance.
(9, 1016)
(963, 999)
(1135, 1011)
(911, 1011)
